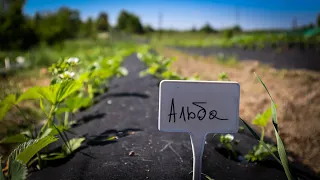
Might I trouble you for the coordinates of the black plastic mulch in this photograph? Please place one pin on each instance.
(294, 58)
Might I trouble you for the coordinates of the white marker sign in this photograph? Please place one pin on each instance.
(199, 108)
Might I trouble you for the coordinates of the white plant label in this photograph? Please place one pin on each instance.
(199, 108)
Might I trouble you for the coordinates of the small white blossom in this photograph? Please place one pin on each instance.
(139, 55)
(20, 59)
(66, 75)
(110, 61)
(229, 137)
(71, 74)
(96, 64)
(73, 60)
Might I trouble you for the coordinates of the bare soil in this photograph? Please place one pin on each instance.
(296, 92)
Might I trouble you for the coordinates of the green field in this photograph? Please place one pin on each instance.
(247, 40)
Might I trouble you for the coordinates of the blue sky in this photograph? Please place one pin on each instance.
(179, 14)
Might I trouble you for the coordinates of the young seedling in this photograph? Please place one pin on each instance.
(226, 140)
(241, 129)
(259, 152)
(223, 77)
(280, 146)
(263, 150)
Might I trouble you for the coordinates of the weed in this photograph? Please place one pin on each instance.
(280, 146)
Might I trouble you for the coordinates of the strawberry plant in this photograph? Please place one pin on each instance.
(159, 66)
(259, 151)
(226, 140)
(16, 166)
(73, 86)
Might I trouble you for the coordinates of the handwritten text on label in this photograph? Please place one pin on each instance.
(187, 114)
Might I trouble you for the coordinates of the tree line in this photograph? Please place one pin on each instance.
(20, 31)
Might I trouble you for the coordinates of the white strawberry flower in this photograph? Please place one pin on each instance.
(139, 55)
(110, 61)
(96, 64)
(69, 74)
(66, 75)
(229, 137)
(73, 60)
(61, 76)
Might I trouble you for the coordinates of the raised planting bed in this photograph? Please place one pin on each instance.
(293, 58)
(129, 111)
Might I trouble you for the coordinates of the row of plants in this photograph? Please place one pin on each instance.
(158, 66)
(74, 84)
(260, 41)
(246, 41)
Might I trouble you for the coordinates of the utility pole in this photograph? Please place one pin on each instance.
(237, 16)
(294, 23)
(160, 23)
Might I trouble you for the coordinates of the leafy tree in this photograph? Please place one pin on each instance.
(237, 29)
(55, 27)
(207, 29)
(310, 26)
(148, 29)
(231, 31)
(193, 29)
(122, 20)
(318, 20)
(228, 33)
(102, 22)
(15, 30)
(129, 22)
(306, 27)
(89, 28)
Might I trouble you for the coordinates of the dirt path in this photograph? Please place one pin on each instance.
(129, 110)
(294, 58)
